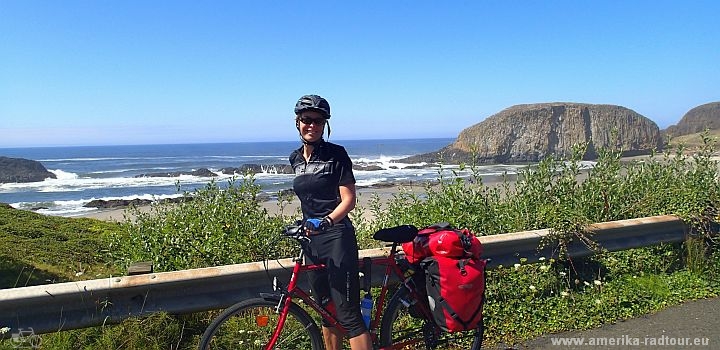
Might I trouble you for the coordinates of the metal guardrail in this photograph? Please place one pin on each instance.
(72, 305)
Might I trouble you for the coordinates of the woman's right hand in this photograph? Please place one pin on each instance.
(315, 225)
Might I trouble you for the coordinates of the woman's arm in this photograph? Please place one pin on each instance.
(347, 203)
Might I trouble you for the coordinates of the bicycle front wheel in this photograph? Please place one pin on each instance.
(403, 327)
(250, 325)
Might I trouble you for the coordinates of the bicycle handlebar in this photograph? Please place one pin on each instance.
(294, 231)
(300, 230)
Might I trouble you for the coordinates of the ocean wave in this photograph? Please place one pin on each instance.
(128, 170)
(152, 159)
(94, 159)
(370, 182)
(76, 207)
(70, 183)
(63, 175)
(276, 156)
(380, 159)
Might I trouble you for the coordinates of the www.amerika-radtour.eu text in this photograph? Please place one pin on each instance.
(630, 341)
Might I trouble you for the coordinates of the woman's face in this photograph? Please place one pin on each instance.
(311, 124)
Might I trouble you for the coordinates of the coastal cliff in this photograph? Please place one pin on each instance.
(696, 120)
(531, 132)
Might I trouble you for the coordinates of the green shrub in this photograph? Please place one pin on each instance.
(211, 226)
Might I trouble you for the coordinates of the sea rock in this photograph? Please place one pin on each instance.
(201, 172)
(116, 203)
(262, 197)
(696, 120)
(257, 168)
(177, 199)
(22, 170)
(123, 203)
(532, 132)
(367, 167)
(286, 192)
(425, 166)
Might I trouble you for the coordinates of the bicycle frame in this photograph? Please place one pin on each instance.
(294, 291)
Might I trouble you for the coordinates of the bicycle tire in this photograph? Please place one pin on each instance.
(398, 326)
(250, 324)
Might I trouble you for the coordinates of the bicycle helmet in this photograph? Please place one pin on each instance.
(315, 103)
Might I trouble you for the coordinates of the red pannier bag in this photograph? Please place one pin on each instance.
(454, 274)
(456, 291)
(442, 240)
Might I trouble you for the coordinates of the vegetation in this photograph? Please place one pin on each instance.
(212, 227)
(38, 249)
(221, 226)
(693, 141)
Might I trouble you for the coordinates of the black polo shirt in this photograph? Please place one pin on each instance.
(316, 182)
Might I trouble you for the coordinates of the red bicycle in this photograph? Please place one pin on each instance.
(281, 319)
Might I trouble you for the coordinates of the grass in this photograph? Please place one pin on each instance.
(693, 141)
(38, 249)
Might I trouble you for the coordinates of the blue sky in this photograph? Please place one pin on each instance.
(139, 72)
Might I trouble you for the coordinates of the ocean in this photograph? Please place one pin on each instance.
(109, 172)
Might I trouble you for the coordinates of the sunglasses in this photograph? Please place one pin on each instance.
(316, 121)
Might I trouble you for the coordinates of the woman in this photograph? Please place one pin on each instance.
(325, 184)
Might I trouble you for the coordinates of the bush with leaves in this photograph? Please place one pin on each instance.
(211, 226)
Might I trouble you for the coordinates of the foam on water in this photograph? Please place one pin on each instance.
(76, 207)
(62, 175)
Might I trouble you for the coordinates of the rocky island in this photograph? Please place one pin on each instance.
(530, 132)
(22, 170)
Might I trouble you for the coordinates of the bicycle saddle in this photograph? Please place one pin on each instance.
(397, 234)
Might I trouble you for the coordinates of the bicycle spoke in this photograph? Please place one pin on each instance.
(404, 329)
(252, 324)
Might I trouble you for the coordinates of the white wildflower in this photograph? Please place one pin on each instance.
(562, 273)
(78, 274)
(586, 283)
(542, 258)
(517, 266)
(564, 294)
(532, 287)
(597, 282)
(4, 330)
